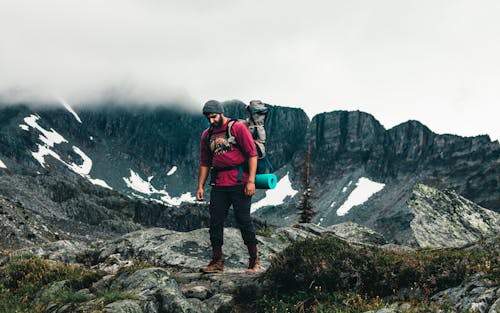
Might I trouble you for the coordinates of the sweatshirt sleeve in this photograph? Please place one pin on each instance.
(245, 140)
(204, 150)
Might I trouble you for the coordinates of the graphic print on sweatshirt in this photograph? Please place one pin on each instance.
(219, 144)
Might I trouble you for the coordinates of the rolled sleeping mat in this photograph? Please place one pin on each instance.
(265, 181)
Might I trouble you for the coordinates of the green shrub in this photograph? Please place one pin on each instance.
(22, 277)
(112, 296)
(319, 274)
(65, 295)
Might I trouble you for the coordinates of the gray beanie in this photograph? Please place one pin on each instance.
(213, 106)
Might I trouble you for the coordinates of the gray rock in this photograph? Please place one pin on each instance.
(445, 219)
(495, 308)
(189, 250)
(63, 250)
(353, 232)
(123, 306)
(156, 285)
(292, 234)
(478, 294)
(219, 300)
(196, 290)
(348, 231)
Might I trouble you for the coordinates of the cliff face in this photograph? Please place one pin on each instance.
(351, 152)
(344, 142)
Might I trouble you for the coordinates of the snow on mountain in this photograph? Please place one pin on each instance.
(85, 168)
(24, 127)
(185, 197)
(172, 171)
(98, 182)
(277, 195)
(136, 183)
(42, 152)
(50, 138)
(2, 165)
(365, 188)
(68, 107)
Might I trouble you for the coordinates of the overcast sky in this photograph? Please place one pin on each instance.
(434, 61)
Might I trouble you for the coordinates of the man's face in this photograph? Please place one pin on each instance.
(214, 119)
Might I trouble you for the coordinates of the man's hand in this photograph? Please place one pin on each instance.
(199, 194)
(250, 188)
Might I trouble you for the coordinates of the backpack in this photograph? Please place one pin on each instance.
(257, 114)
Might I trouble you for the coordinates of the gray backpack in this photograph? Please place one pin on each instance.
(257, 113)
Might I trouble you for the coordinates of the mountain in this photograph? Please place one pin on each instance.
(65, 163)
(364, 173)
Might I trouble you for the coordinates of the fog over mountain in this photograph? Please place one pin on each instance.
(434, 62)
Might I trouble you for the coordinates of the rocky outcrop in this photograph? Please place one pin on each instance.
(189, 250)
(156, 270)
(445, 219)
(353, 232)
(478, 294)
(350, 232)
(145, 290)
(20, 228)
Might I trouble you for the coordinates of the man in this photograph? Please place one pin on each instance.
(233, 167)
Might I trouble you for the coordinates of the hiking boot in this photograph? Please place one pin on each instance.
(254, 266)
(215, 266)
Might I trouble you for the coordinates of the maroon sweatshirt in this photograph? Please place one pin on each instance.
(225, 154)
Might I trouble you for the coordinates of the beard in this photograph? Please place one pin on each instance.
(217, 123)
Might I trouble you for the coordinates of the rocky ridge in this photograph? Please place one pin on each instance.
(446, 219)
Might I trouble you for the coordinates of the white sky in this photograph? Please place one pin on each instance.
(433, 61)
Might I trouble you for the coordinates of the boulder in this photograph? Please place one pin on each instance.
(478, 294)
(188, 250)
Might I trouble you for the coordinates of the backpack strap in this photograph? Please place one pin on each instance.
(230, 138)
(209, 136)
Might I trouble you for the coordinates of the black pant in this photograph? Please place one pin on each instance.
(221, 199)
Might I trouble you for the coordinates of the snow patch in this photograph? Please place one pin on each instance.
(24, 127)
(172, 171)
(99, 182)
(44, 151)
(345, 188)
(365, 188)
(136, 183)
(85, 168)
(50, 138)
(2, 165)
(333, 204)
(277, 195)
(91, 137)
(68, 107)
(186, 197)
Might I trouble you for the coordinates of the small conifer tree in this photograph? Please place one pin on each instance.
(305, 207)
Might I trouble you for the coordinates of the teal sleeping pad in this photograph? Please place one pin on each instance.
(266, 181)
